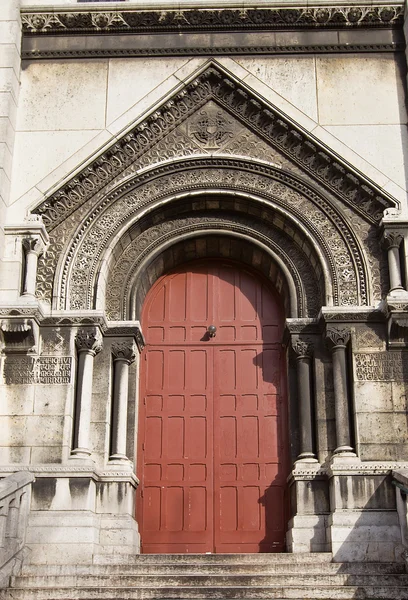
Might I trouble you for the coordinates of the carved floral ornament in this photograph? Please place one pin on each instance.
(132, 21)
(334, 240)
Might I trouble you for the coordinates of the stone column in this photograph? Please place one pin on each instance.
(392, 241)
(88, 343)
(33, 247)
(338, 339)
(304, 352)
(124, 353)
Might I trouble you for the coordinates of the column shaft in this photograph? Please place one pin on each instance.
(341, 400)
(394, 266)
(83, 402)
(30, 275)
(120, 407)
(305, 407)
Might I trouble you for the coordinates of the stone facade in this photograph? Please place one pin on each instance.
(135, 140)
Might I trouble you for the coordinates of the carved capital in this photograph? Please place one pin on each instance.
(392, 239)
(19, 335)
(124, 351)
(33, 244)
(337, 336)
(303, 348)
(88, 340)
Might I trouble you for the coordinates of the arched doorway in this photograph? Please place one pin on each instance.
(212, 447)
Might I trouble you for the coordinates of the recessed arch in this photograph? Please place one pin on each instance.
(313, 217)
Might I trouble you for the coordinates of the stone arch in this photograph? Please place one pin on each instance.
(247, 187)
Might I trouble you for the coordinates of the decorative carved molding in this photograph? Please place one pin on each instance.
(19, 335)
(121, 272)
(125, 350)
(86, 20)
(88, 340)
(34, 244)
(303, 348)
(392, 239)
(338, 336)
(37, 54)
(260, 117)
(327, 225)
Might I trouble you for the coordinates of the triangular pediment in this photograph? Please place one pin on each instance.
(217, 114)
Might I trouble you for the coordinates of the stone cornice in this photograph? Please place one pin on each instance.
(215, 84)
(99, 19)
(85, 30)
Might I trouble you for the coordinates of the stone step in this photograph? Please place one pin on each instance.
(199, 581)
(169, 568)
(277, 592)
(188, 559)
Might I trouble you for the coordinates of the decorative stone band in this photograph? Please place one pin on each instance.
(85, 20)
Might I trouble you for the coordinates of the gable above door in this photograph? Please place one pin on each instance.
(215, 113)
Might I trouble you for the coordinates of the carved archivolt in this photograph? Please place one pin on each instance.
(267, 187)
(124, 272)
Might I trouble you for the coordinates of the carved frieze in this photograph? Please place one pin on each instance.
(132, 20)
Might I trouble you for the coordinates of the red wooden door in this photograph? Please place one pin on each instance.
(212, 447)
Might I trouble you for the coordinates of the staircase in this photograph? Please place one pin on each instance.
(212, 576)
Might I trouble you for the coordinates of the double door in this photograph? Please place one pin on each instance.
(211, 424)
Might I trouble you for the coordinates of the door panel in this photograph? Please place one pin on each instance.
(212, 450)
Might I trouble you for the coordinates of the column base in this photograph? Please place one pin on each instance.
(81, 454)
(306, 457)
(345, 451)
(119, 459)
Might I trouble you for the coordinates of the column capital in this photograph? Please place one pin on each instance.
(391, 239)
(34, 244)
(302, 347)
(88, 340)
(124, 350)
(338, 336)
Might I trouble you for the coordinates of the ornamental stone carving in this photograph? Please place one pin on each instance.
(338, 336)
(124, 351)
(88, 340)
(303, 348)
(83, 216)
(392, 239)
(141, 21)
